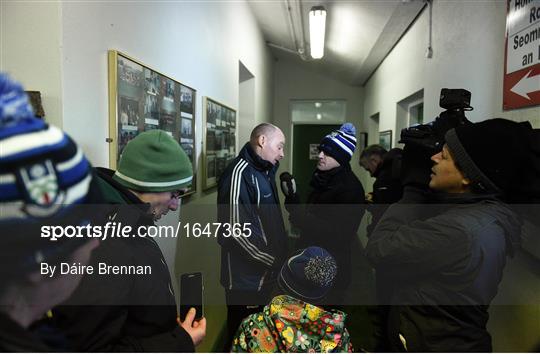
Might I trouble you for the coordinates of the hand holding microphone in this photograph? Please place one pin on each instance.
(288, 187)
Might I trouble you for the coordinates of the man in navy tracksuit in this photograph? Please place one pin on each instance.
(248, 198)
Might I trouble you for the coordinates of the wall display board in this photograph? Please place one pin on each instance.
(314, 151)
(521, 87)
(219, 146)
(141, 99)
(385, 139)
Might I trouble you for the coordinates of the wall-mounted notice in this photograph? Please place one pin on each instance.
(521, 86)
(313, 151)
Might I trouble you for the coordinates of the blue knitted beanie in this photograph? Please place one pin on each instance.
(309, 274)
(340, 144)
(43, 177)
(42, 171)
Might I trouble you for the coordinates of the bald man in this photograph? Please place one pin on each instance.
(248, 198)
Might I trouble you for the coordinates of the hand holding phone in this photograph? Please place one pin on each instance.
(191, 295)
(191, 306)
(195, 329)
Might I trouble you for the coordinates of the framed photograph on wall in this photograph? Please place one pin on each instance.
(219, 140)
(385, 139)
(141, 99)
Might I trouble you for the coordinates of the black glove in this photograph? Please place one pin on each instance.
(445, 121)
(288, 187)
(416, 166)
(422, 142)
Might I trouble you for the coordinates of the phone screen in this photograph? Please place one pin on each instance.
(191, 294)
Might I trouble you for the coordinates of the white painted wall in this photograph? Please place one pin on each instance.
(246, 106)
(30, 50)
(468, 52)
(197, 43)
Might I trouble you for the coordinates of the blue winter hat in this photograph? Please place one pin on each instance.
(43, 174)
(340, 144)
(309, 274)
(42, 171)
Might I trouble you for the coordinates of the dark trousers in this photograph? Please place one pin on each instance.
(241, 304)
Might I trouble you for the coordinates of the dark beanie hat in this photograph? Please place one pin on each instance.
(340, 144)
(309, 274)
(491, 153)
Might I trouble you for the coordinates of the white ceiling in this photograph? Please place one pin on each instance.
(359, 33)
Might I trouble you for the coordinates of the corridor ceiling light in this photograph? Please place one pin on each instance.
(317, 24)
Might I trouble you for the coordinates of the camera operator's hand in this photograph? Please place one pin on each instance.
(416, 166)
(195, 329)
(446, 121)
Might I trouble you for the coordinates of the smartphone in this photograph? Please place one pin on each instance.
(191, 294)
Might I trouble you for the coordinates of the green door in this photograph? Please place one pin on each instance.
(304, 162)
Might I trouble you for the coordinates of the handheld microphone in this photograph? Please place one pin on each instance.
(288, 184)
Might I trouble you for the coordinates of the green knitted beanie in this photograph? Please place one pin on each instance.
(154, 162)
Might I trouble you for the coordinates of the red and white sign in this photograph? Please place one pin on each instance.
(521, 86)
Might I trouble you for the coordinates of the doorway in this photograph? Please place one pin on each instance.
(409, 111)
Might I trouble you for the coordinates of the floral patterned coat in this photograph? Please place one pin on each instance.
(290, 325)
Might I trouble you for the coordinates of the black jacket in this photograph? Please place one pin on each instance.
(387, 188)
(331, 217)
(443, 264)
(135, 313)
(15, 339)
(247, 196)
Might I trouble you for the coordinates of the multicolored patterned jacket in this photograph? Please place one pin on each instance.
(290, 325)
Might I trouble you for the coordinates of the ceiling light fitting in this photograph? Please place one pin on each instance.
(317, 24)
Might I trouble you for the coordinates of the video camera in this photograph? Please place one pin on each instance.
(431, 135)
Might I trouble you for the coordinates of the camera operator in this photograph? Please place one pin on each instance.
(442, 263)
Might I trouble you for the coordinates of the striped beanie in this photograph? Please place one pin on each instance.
(154, 162)
(309, 274)
(340, 144)
(44, 179)
(42, 171)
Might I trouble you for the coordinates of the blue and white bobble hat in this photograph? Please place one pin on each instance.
(309, 274)
(340, 144)
(42, 171)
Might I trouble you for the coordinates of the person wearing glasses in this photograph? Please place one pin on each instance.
(134, 312)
